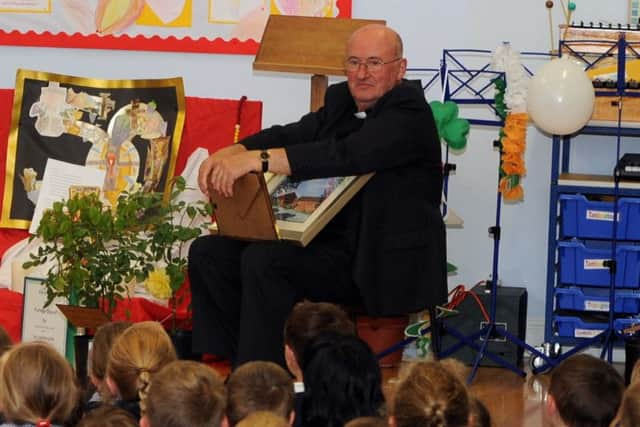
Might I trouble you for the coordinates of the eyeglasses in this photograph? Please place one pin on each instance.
(371, 64)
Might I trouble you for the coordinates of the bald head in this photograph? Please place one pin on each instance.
(374, 64)
(381, 33)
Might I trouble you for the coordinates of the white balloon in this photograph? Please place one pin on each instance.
(560, 97)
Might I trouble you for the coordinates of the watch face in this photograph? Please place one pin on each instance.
(264, 155)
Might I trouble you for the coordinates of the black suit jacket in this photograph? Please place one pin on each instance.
(395, 228)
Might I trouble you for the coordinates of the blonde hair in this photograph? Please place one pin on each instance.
(140, 351)
(186, 393)
(430, 395)
(36, 384)
(263, 419)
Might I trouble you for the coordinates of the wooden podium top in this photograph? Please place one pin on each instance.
(301, 44)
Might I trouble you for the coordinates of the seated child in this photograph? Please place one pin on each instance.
(307, 320)
(429, 394)
(107, 415)
(629, 412)
(185, 394)
(263, 419)
(583, 391)
(367, 422)
(37, 386)
(5, 341)
(137, 353)
(259, 386)
(101, 346)
(342, 381)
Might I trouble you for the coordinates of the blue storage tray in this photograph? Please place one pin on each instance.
(583, 264)
(597, 299)
(585, 218)
(575, 327)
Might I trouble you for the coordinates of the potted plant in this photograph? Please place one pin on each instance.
(95, 250)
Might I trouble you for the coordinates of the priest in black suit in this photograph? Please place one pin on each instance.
(385, 250)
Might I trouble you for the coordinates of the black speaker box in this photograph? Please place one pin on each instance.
(511, 314)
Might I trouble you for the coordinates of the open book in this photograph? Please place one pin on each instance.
(271, 207)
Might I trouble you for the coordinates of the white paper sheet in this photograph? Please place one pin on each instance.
(58, 177)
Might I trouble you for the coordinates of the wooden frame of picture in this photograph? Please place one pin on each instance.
(276, 207)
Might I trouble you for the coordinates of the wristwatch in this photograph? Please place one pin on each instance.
(264, 157)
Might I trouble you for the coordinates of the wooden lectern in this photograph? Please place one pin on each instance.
(300, 44)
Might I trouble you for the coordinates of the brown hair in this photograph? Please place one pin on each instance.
(108, 416)
(36, 384)
(635, 372)
(430, 395)
(263, 419)
(587, 391)
(186, 393)
(629, 412)
(101, 344)
(136, 354)
(367, 422)
(480, 416)
(259, 385)
(5, 340)
(308, 319)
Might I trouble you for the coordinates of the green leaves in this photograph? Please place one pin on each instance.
(97, 249)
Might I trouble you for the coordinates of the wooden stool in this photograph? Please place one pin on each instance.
(385, 333)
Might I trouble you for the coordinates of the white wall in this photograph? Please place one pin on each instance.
(427, 27)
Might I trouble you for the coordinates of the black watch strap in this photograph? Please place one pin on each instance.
(264, 157)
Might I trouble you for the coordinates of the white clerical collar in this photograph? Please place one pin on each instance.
(360, 114)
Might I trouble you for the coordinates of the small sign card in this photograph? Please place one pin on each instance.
(39, 323)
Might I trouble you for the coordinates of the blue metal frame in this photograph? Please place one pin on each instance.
(465, 79)
(560, 164)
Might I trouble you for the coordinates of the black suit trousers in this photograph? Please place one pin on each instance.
(243, 292)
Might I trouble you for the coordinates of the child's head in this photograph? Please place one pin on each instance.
(584, 391)
(629, 412)
(342, 380)
(108, 416)
(37, 384)
(256, 386)
(101, 345)
(307, 320)
(635, 372)
(185, 393)
(480, 416)
(367, 422)
(263, 419)
(5, 341)
(429, 394)
(137, 353)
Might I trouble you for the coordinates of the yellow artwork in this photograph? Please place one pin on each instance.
(25, 6)
(317, 8)
(166, 14)
(632, 71)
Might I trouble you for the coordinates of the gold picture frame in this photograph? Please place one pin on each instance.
(130, 128)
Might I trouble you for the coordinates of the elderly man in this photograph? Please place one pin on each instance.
(384, 250)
